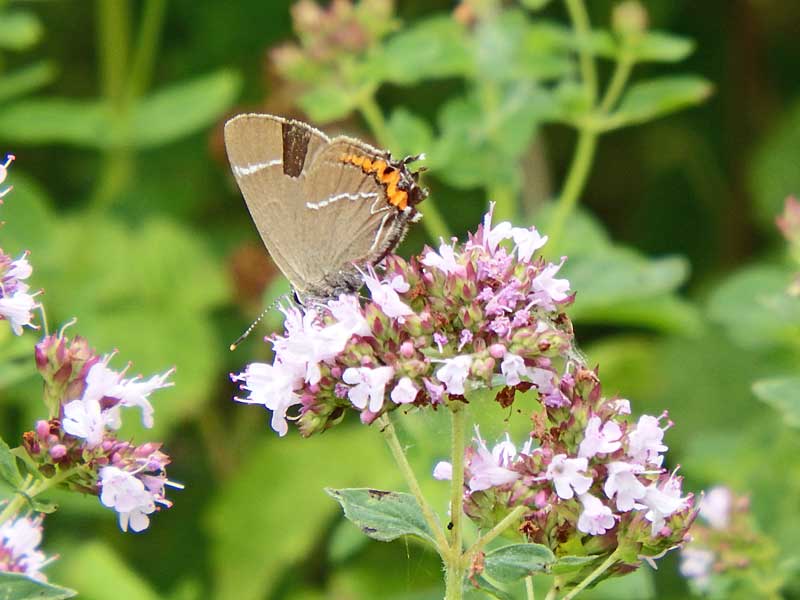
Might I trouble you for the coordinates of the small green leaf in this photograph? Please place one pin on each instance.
(19, 30)
(517, 561)
(434, 48)
(566, 565)
(782, 394)
(26, 80)
(656, 98)
(180, 109)
(8, 466)
(328, 101)
(383, 516)
(14, 586)
(656, 46)
(755, 309)
(58, 120)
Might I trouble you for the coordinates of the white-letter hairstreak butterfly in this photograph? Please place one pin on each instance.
(324, 206)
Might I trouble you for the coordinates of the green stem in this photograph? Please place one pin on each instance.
(433, 222)
(389, 433)
(583, 31)
(604, 566)
(30, 490)
(505, 199)
(529, 591)
(146, 48)
(622, 72)
(495, 531)
(587, 139)
(455, 564)
(551, 594)
(576, 179)
(113, 30)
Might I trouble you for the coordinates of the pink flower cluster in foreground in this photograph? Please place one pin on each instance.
(88, 398)
(485, 313)
(589, 475)
(19, 547)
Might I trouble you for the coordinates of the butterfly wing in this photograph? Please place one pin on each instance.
(268, 155)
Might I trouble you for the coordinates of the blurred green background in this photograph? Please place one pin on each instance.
(114, 110)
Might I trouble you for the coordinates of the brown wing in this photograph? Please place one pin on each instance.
(268, 155)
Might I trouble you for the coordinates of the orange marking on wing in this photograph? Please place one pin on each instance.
(383, 174)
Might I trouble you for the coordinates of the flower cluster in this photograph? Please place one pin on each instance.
(482, 314)
(726, 552)
(591, 478)
(329, 34)
(19, 547)
(16, 303)
(85, 398)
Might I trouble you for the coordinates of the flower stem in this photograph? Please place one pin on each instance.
(551, 594)
(495, 531)
(389, 433)
(604, 566)
(455, 563)
(622, 71)
(31, 489)
(587, 139)
(529, 591)
(434, 223)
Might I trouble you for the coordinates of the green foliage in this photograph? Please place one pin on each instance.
(19, 587)
(782, 394)
(517, 561)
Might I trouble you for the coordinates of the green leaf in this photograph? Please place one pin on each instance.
(782, 394)
(755, 309)
(470, 593)
(8, 466)
(774, 174)
(19, 30)
(26, 80)
(567, 565)
(85, 123)
(14, 586)
(97, 570)
(181, 109)
(649, 100)
(328, 101)
(657, 46)
(383, 516)
(245, 522)
(517, 561)
(435, 48)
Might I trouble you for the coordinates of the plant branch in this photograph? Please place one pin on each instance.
(529, 591)
(389, 433)
(495, 531)
(583, 30)
(604, 566)
(455, 565)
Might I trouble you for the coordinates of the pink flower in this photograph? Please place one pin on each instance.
(445, 261)
(273, 386)
(599, 440)
(443, 471)
(663, 502)
(566, 475)
(623, 483)
(527, 241)
(384, 294)
(404, 392)
(697, 564)
(489, 469)
(715, 507)
(547, 290)
(18, 310)
(596, 518)
(369, 386)
(19, 547)
(513, 369)
(4, 173)
(85, 419)
(125, 493)
(133, 392)
(454, 373)
(644, 442)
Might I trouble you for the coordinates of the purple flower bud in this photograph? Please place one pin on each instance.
(42, 428)
(407, 349)
(58, 452)
(497, 350)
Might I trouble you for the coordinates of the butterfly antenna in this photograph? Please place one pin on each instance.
(255, 323)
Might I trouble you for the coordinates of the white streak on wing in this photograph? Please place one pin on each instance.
(254, 168)
(342, 196)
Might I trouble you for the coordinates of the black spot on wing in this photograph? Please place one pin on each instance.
(295, 148)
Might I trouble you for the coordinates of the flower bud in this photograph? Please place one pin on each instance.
(629, 18)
